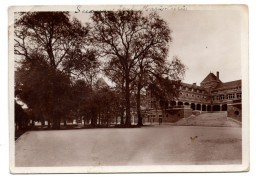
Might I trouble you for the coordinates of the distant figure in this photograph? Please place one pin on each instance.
(193, 139)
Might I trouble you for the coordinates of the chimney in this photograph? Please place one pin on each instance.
(217, 75)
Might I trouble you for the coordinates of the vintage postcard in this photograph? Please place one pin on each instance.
(128, 88)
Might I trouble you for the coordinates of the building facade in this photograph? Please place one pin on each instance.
(212, 95)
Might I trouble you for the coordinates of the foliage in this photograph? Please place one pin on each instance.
(126, 37)
(59, 60)
(43, 89)
(21, 118)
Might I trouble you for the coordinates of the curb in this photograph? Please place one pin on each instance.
(234, 120)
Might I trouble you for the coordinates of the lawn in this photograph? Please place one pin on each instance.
(151, 145)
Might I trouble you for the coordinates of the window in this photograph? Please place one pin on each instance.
(230, 96)
(239, 95)
(213, 98)
(220, 97)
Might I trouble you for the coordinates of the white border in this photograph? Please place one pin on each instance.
(207, 168)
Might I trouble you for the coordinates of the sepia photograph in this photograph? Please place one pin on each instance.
(130, 88)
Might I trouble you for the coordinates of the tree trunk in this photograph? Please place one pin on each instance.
(122, 117)
(127, 99)
(49, 123)
(56, 123)
(93, 121)
(138, 102)
(107, 119)
(99, 119)
(42, 122)
(32, 122)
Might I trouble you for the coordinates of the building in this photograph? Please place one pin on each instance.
(212, 95)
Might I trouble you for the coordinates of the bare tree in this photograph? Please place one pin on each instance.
(162, 74)
(124, 37)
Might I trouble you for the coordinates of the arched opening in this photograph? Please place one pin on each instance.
(187, 104)
(236, 113)
(192, 106)
(198, 107)
(216, 108)
(224, 107)
(173, 103)
(203, 107)
(180, 103)
(208, 108)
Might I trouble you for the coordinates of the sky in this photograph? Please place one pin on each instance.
(205, 41)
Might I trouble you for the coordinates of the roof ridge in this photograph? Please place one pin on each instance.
(210, 77)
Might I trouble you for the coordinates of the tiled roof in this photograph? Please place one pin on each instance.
(234, 83)
(191, 86)
(210, 77)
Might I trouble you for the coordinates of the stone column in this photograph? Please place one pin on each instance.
(206, 107)
(220, 107)
(195, 106)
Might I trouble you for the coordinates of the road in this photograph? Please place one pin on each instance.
(154, 145)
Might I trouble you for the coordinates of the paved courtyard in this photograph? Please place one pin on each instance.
(166, 145)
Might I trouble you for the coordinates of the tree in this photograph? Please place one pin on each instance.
(82, 99)
(51, 34)
(43, 89)
(164, 86)
(21, 118)
(83, 65)
(46, 44)
(116, 75)
(159, 74)
(124, 37)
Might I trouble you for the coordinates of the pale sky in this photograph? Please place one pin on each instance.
(205, 41)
